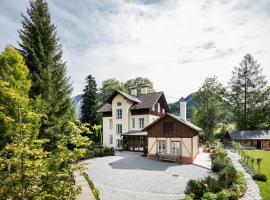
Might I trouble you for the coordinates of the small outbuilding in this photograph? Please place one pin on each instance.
(172, 138)
(255, 139)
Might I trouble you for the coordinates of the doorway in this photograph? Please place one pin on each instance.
(259, 144)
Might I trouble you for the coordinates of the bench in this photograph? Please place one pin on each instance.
(167, 157)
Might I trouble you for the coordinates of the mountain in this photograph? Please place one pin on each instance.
(77, 103)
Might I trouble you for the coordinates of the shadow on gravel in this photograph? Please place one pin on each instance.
(140, 163)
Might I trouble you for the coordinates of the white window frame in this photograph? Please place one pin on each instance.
(110, 123)
(158, 107)
(118, 129)
(160, 149)
(141, 122)
(133, 123)
(110, 139)
(119, 114)
(176, 151)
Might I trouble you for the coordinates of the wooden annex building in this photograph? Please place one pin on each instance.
(252, 139)
(172, 138)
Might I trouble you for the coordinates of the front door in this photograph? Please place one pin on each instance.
(259, 144)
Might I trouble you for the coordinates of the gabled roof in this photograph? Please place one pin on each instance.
(187, 123)
(125, 95)
(141, 101)
(250, 135)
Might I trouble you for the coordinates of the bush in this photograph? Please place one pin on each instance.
(260, 177)
(209, 196)
(195, 188)
(228, 176)
(189, 197)
(223, 195)
(96, 193)
(218, 165)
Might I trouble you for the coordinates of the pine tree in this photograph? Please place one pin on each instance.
(89, 104)
(43, 56)
(249, 95)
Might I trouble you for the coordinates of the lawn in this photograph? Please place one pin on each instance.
(265, 169)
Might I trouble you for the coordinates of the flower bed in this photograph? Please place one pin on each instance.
(229, 185)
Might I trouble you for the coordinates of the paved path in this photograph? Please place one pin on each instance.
(129, 176)
(253, 192)
(203, 159)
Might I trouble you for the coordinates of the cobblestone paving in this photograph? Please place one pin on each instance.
(128, 176)
(253, 192)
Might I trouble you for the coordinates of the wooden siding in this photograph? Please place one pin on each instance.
(180, 130)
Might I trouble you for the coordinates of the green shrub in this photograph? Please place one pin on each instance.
(91, 185)
(228, 176)
(211, 184)
(96, 193)
(260, 177)
(223, 195)
(218, 165)
(189, 197)
(195, 188)
(209, 196)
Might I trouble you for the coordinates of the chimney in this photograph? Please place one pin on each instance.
(183, 108)
(133, 91)
(144, 89)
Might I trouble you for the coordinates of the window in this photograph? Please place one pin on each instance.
(119, 143)
(133, 122)
(111, 124)
(119, 103)
(175, 148)
(158, 108)
(141, 122)
(118, 113)
(119, 128)
(111, 139)
(163, 110)
(168, 127)
(161, 147)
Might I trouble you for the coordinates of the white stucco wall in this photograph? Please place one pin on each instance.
(148, 119)
(125, 106)
(186, 145)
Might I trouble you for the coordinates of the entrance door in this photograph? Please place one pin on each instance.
(162, 147)
(259, 144)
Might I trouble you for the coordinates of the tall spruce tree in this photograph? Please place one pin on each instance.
(249, 95)
(43, 56)
(90, 98)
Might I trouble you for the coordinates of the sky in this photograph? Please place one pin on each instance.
(174, 43)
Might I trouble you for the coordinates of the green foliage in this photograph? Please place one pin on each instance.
(249, 95)
(230, 183)
(99, 151)
(209, 196)
(260, 177)
(90, 100)
(27, 169)
(139, 82)
(94, 190)
(108, 86)
(211, 108)
(43, 56)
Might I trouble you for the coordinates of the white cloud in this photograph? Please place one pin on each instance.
(176, 44)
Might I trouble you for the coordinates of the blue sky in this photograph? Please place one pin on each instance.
(177, 44)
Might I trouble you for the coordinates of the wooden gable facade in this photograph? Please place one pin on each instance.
(169, 127)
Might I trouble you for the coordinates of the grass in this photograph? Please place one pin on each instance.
(265, 169)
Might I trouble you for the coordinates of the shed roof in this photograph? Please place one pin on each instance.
(185, 122)
(250, 135)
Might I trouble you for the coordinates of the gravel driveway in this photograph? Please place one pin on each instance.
(129, 176)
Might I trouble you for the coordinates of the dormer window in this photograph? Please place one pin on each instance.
(118, 113)
(119, 103)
